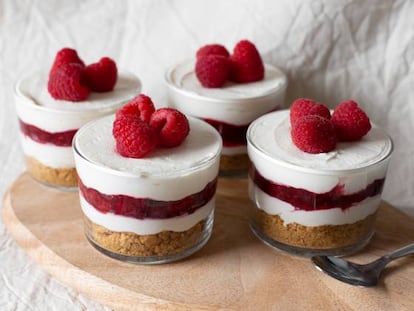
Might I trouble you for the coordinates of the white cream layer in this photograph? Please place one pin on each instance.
(121, 223)
(353, 164)
(164, 174)
(237, 104)
(35, 105)
(333, 216)
(48, 154)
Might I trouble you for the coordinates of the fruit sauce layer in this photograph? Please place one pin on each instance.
(143, 208)
(232, 135)
(63, 139)
(306, 200)
(119, 223)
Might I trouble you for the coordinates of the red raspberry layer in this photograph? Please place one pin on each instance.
(232, 135)
(142, 208)
(306, 200)
(61, 139)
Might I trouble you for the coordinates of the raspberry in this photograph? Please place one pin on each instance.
(172, 126)
(68, 83)
(141, 107)
(212, 70)
(246, 63)
(65, 56)
(350, 121)
(134, 138)
(303, 106)
(102, 76)
(212, 49)
(314, 134)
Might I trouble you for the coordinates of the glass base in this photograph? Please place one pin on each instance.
(308, 252)
(149, 260)
(60, 188)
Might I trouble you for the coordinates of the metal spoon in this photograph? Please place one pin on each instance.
(356, 274)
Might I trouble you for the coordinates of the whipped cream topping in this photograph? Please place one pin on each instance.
(34, 87)
(184, 77)
(164, 174)
(271, 135)
(96, 143)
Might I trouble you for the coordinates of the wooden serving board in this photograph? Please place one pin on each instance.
(234, 271)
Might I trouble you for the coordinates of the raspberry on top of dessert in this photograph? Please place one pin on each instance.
(71, 80)
(215, 65)
(139, 128)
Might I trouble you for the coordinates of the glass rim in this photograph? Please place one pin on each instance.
(317, 171)
(30, 101)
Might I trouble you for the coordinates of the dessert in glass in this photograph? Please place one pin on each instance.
(318, 201)
(150, 207)
(229, 103)
(48, 124)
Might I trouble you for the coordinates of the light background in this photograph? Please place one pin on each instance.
(331, 50)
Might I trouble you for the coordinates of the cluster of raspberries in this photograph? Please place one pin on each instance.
(314, 130)
(139, 128)
(70, 79)
(214, 65)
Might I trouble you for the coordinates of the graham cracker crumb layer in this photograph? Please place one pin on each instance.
(130, 244)
(318, 237)
(62, 177)
(236, 163)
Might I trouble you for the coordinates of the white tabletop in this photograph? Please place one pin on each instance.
(330, 51)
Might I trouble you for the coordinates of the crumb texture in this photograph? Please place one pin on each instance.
(130, 244)
(62, 177)
(233, 164)
(319, 237)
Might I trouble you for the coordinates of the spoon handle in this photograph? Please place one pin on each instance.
(381, 262)
(403, 251)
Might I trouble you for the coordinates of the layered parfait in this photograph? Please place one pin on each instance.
(147, 182)
(52, 106)
(316, 179)
(228, 91)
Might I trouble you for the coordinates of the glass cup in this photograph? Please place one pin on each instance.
(150, 210)
(314, 204)
(47, 126)
(229, 109)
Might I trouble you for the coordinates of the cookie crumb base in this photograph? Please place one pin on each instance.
(57, 177)
(312, 241)
(234, 165)
(166, 246)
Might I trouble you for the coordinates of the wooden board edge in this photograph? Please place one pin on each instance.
(76, 278)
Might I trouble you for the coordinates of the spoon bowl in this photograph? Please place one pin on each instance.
(358, 274)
